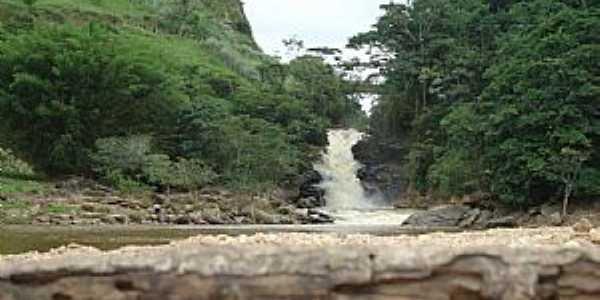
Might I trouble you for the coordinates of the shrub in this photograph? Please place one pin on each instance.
(62, 88)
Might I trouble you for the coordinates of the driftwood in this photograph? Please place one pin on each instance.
(340, 272)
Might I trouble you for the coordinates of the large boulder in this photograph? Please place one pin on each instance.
(446, 216)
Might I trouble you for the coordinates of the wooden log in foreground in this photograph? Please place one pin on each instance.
(192, 272)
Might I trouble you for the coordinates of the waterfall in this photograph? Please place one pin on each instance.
(346, 200)
(338, 167)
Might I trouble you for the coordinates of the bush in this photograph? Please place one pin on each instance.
(62, 88)
(124, 162)
(10, 164)
(130, 163)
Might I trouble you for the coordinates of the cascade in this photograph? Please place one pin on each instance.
(338, 167)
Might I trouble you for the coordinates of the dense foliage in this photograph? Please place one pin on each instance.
(501, 97)
(168, 94)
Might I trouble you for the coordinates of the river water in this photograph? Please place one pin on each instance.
(344, 194)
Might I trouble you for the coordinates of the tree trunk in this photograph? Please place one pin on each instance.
(568, 190)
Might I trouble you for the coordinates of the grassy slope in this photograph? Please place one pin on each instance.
(231, 49)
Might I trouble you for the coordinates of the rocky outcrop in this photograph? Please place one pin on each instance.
(305, 191)
(447, 216)
(79, 201)
(477, 216)
(382, 171)
(187, 272)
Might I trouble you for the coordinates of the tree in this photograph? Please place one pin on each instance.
(63, 88)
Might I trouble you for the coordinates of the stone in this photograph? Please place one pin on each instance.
(188, 208)
(213, 216)
(88, 207)
(160, 199)
(555, 219)
(263, 217)
(196, 271)
(310, 202)
(446, 216)
(317, 216)
(595, 235)
(506, 221)
(182, 220)
(92, 215)
(115, 219)
(548, 210)
(582, 226)
(469, 218)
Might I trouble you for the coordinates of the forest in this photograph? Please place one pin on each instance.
(500, 98)
(494, 97)
(159, 95)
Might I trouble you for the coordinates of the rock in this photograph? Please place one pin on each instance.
(92, 215)
(582, 226)
(42, 220)
(386, 180)
(88, 207)
(310, 202)
(446, 216)
(262, 217)
(182, 220)
(555, 219)
(595, 235)
(160, 199)
(484, 217)
(317, 216)
(547, 210)
(196, 271)
(507, 221)
(469, 218)
(313, 192)
(197, 219)
(213, 216)
(115, 219)
(188, 208)
(286, 210)
(308, 189)
(382, 172)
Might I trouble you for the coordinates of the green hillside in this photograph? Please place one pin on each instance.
(150, 94)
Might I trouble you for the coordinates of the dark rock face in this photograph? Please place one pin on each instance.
(186, 273)
(382, 172)
(310, 195)
(385, 180)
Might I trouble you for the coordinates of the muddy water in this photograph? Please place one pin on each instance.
(20, 239)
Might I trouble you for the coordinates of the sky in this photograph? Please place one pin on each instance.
(319, 23)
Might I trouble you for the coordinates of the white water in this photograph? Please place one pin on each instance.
(345, 197)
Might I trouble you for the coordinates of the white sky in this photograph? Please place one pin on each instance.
(319, 23)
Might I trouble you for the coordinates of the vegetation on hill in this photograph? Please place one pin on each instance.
(494, 96)
(158, 94)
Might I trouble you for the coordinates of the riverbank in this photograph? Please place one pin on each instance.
(83, 202)
(546, 263)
